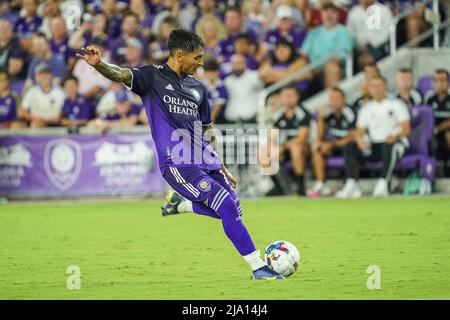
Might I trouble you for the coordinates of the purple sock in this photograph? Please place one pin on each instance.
(236, 231)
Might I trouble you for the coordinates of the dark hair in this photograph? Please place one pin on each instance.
(405, 70)
(129, 13)
(330, 5)
(291, 87)
(171, 20)
(442, 70)
(68, 78)
(210, 63)
(40, 35)
(283, 42)
(243, 36)
(232, 8)
(380, 78)
(184, 40)
(337, 89)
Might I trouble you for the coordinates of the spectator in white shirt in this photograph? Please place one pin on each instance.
(243, 86)
(42, 104)
(381, 130)
(369, 24)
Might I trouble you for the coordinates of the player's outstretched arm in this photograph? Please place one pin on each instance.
(110, 71)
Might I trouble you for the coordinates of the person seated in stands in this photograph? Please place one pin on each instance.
(381, 130)
(8, 103)
(286, 28)
(371, 39)
(404, 88)
(77, 110)
(329, 40)
(216, 91)
(42, 103)
(370, 71)
(439, 100)
(243, 86)
(13, 57)
(42, 53)
(126, 114)
(282, 62)
(293, 123)
(334, 131)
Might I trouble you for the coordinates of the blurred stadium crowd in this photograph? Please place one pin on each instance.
(249, 45)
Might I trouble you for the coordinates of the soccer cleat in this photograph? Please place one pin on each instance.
(265, 273)
(173, 199)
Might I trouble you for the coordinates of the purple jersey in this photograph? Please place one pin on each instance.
(8, 108)
(296, 36)
(78, 108)
(177, 109)
(25, 29)
(134, 111)
(62, 49)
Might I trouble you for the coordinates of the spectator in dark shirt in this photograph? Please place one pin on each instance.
(77, 110)
(12, 57)
(293, 124)
(439, 100)
(28, 25)
(405, 91)
(126, 114)
(43, 54)
(8, 104)
(334, 130)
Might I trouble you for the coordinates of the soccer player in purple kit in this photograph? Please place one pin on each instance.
(176, 105)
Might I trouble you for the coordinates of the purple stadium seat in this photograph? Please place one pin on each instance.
(425, 84)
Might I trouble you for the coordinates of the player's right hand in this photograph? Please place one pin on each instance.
(90, 54)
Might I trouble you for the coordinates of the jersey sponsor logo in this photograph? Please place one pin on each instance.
(181, 106)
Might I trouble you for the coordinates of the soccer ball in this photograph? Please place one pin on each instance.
(283, 257)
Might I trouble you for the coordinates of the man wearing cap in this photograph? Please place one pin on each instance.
(126, 114)
(286, 28)
(42, 53)
(42, 103)
(329, 40)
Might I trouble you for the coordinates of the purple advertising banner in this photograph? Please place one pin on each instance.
(79, 165)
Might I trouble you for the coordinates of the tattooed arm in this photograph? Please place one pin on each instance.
(110, 71)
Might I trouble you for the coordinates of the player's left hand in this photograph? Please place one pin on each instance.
(229, 176)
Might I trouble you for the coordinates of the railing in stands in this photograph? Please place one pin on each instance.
(406, 13)
(265, 93)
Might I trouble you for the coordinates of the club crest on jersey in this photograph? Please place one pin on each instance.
(204, 185)
(196, 94)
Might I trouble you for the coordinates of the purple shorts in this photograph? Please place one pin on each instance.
(195, 184)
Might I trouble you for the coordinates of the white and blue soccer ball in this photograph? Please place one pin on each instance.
(283, 257)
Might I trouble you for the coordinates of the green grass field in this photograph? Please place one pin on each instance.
(126, 250)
